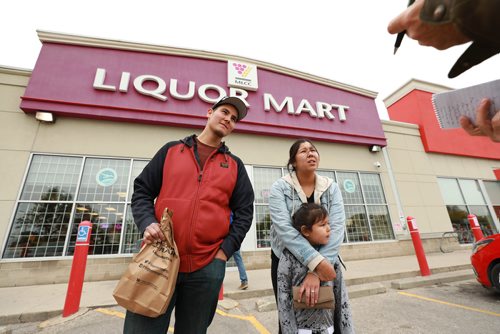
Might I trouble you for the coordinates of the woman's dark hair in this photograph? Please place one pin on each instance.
(307, 215)
(293, 152)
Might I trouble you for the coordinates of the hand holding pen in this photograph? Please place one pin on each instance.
(401, 34)
(439, 36)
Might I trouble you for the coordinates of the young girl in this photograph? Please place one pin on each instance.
(311, 220)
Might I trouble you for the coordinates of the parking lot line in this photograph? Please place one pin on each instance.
(449, 304)
(111, 312)
(121, 315)
(250, 318)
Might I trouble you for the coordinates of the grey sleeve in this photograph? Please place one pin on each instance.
(286, 313)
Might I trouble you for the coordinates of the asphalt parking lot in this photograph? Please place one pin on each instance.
(460, 307)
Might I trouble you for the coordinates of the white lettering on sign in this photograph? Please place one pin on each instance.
(269, 100)
(100, 76)
(304, 105)
(322, 110)
(175, 94)
(124, 81)
(318, 109)
(341, 109)
(156, 93)
(202, 92)
(242, 94)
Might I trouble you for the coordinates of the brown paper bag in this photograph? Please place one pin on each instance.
(149, 282)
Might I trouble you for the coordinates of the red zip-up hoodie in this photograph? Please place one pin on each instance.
(201, 199)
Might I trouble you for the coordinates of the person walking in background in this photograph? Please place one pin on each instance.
(239, 263)
(304, 185)
(443, 24)
(202, 182)
(241, 270)
(311, 221)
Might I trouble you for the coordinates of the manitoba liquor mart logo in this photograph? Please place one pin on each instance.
(242, 75)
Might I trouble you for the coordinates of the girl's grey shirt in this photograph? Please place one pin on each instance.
(292, 273)
(285, 198)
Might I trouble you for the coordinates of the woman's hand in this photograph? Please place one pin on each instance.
(310, 287)
(325, 271)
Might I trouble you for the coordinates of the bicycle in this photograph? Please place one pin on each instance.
(452, 239)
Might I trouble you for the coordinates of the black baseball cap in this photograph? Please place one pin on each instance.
(236, 102)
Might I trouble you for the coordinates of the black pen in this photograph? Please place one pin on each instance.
(399, 37)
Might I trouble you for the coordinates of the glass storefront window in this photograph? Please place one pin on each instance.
(450, 191)
(49, 211)
(380, 222)
(493, 191)
(52, 178)
(39, 230)
(60, 192)
(107, 224)
(367, 215)
(472, 192)
(357, 227)
(458, 216)
(263, 180)
(350, 188)
(131, 234)
(464, 197)
(104, 180)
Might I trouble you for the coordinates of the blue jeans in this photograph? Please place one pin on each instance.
(195, 301)
(241, 266)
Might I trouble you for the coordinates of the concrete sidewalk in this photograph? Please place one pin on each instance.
(364, 277)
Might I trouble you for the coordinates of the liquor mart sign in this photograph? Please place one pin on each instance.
(177, 90)
(158, 90)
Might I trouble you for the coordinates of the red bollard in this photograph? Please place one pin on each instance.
(476, 229)
(417, 244)
(221, 292)
(75, 284)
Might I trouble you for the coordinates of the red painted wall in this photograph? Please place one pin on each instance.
(416, 108)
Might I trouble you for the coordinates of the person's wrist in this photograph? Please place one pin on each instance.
(314, 274)
(221, 255)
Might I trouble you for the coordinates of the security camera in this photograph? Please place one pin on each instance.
(377, 164)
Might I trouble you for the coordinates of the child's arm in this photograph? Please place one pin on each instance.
(288, 322)
(337, 224)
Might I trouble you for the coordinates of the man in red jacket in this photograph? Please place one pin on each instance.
(202, 182)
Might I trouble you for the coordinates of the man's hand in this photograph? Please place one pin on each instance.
(221, 255)
(484, 126)
(153, 233)
(439, 36)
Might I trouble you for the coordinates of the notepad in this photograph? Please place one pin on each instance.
(449, 106)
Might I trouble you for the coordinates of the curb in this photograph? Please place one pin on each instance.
(406, 274)
(246, 294)
(28, 317)
(365, 290)
(416, 282)
(366, 286)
